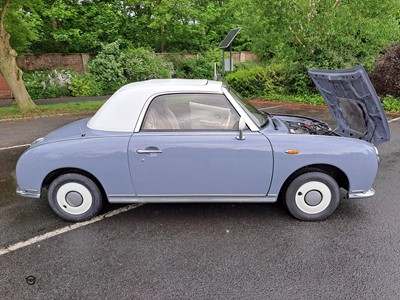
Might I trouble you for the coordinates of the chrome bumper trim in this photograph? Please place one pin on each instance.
(28, 194)
(359, 195)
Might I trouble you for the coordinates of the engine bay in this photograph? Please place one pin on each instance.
(302, 125)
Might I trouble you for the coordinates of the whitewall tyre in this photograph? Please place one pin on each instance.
(75, 197)
(312, 196)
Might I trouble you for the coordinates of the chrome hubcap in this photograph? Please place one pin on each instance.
(313, 198)
(74, 199)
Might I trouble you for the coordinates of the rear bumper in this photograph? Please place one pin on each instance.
(359, 195)
(28, 193)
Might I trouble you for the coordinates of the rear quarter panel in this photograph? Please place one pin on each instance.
(103, 157)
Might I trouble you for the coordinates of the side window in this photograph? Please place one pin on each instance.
(190, 112)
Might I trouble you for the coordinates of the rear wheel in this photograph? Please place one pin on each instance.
(312, 196)
(75, 197)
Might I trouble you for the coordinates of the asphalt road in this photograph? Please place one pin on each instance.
(200, 251)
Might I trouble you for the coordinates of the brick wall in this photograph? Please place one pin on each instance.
(5, 92)
(76, 61)
(241, 56)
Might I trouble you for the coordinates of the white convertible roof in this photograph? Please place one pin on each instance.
(122, 110)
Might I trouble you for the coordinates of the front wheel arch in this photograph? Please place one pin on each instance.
(337, 174)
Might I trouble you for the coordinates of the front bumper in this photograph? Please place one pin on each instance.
(359, 195)
(28, 193)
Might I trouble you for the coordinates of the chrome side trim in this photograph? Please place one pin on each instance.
(361, 194)
(28, 194)
(188, 199)
(200, 196)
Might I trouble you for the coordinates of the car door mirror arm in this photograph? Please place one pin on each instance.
(242, 126)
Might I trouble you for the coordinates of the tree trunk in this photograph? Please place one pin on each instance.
(9, 69)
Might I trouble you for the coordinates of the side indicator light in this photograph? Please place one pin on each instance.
(292, 151)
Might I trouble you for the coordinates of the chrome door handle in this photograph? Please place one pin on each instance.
(149, 151)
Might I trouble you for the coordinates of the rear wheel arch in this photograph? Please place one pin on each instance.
(56, 173)
(75, 197)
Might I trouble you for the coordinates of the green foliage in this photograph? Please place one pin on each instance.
(108, 67)
(201, 66)
(197, 67)
(79, 26)
(247, 65)
(314, 99)
(163, 26)
(258, 81)
(391, 104)
(23, 23)
(321, 34)
(84, 85)
(183, 25)
(141, 64)
(297, 80)
(115, 66)
(48, 84)
(249, 83)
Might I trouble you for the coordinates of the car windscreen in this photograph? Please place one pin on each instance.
(256, 116)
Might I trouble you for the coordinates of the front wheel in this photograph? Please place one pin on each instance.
(312, 196)
(74, 197)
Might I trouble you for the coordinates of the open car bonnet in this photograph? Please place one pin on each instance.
(354, 104)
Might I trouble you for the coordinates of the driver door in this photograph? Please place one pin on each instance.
(188, 147)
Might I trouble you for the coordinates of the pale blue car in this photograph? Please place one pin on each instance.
(172, 141)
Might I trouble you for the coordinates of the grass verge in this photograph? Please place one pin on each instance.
(12, 112)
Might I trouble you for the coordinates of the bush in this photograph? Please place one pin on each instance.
(246, 65)
(107, 68)
(199, 67)
(249, 83)
(141, 64)
(114, 67)
(297, 80)
(192, 68)
(391, 104)
(86, 85)
(386, 75)
(48, 83)
(258, 81)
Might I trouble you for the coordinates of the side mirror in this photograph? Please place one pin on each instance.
(242, 126)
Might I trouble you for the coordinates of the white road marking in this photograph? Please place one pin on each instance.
(393, 120)
(14, 147)
(65, 229)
